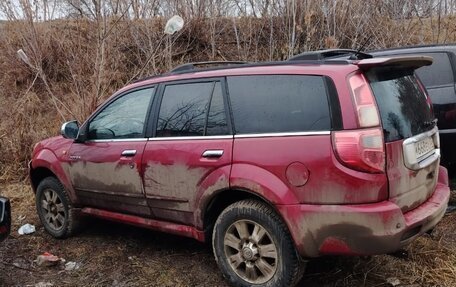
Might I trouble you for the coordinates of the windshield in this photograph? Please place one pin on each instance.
(403, 106)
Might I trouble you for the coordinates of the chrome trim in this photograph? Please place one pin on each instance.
(413, 162)
(74, 157)
(211, 153)
(118, 140)
(421, 136)
(129, 152)
(190, 138)
(447, 131)
(290, 134)
(62, 129)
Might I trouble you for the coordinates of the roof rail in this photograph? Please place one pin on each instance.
(331, 53)
(193, 66)
(339, 61)
(415, 47)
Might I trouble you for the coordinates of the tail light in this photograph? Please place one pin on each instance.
(364, 101)
(362, 149)
(5, 218)
(3, 230)
(428, 99)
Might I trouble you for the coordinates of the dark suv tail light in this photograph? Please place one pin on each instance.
(362, 149)
(428, 99)
(5, 218)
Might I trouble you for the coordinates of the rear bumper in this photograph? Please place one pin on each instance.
(5, 218)
(366, 229)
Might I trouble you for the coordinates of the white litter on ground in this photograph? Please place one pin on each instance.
(26, 229)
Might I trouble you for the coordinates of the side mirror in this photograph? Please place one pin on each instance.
(70, 130)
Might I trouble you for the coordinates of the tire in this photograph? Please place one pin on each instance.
(260, 247)
(55, 210)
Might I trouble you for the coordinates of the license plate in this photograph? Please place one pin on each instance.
(423, 147)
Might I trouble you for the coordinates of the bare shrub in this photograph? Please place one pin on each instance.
(81, 51)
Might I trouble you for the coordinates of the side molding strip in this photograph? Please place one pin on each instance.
(173, 228)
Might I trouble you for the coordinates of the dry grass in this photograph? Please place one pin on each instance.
(117, 255)
(76, 64)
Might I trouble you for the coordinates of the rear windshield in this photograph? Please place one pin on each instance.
(403, 107)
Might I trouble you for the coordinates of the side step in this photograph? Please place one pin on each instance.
(173, 228)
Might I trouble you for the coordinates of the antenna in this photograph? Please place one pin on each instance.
(360, 48)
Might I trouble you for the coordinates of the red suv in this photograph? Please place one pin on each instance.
(271, 162)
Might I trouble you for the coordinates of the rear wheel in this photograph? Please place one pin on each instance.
(54, 208)
(252, 247)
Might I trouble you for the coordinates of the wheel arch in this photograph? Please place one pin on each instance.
(46, 164)
(38, 174)
(224, 198)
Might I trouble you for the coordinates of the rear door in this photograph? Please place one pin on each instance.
(191, 149)
(411, 137)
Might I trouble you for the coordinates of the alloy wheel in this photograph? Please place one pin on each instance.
(53, 209)
(250, 251)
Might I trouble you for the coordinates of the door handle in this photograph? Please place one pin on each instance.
(129, 152)
(212, 153)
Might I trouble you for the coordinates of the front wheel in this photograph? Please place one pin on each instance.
(54, 208)
(252, 247)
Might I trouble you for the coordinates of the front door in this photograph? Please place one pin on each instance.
(191, 151)
(105, 170)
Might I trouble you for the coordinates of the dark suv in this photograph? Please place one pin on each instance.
(5, 218)
(440, 82)
(271, 162)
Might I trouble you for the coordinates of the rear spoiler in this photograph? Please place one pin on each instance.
(413, 62)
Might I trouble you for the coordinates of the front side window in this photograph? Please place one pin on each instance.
(124, 118)
(279, 103)
(193, 109)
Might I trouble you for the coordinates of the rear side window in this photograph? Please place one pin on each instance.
(403, 107)
(194, 109)
(439, 73)
(279, 103)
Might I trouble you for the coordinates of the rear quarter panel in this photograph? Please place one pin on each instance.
(260, 164)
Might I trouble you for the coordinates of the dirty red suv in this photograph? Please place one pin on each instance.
(271, 162)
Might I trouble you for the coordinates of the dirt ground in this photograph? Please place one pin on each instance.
(111, 254)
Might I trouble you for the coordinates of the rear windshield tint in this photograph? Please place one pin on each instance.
(279, 103)
(403, 107)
